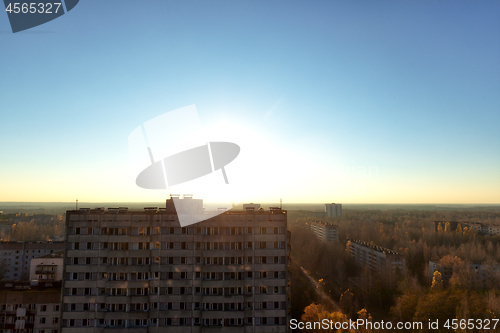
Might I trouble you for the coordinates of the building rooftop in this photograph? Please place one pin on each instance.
(57, 254)
(325, 223)
(31, 242)
(373, 246)
(156, 210)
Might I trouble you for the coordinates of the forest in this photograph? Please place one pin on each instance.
(413, 295)
(30, 227)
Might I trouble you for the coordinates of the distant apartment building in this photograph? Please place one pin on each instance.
(5, 228)
(15, 257)
(482, 272)
(378, 259)
(491, 230)
(333, 210)
(326, 232)
(482, 228)
(26, 308)
(139, 271)
(48, 267)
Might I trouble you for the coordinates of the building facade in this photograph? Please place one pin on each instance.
(333, 210)
(27, 308)
(48, 267)
(326, 232)
(377, 259)
(140, 271)
(15, 257)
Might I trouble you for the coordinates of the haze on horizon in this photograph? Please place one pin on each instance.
(366, 102)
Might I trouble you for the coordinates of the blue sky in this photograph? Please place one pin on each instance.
(409, 87)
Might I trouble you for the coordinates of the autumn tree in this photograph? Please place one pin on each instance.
(437, 281)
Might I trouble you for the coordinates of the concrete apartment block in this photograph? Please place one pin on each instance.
(378, 259)
(326, 232)
(333, 210)
(139, 271)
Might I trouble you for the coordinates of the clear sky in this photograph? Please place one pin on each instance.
(345, 101)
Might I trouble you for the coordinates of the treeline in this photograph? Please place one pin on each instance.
(35, 229)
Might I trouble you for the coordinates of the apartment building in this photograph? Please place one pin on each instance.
(48, 267)
(378, 259)
(333, 210)
(326, 232)
(140, 271)
(482, 228)
(30, 308)
(482, 273)
(15, 257)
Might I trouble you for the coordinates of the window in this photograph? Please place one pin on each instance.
(43, 308)
(55, 320)
(42, 320)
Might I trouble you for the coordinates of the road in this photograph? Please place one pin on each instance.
(324, 296)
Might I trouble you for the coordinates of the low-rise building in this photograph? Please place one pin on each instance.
(47, 267)
(326, 232)
(30, 308)
(377, 258)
